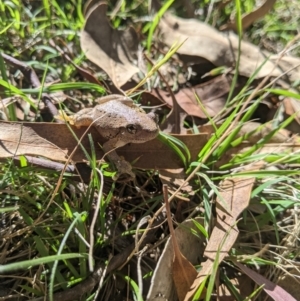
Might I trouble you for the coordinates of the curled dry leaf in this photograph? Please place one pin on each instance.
(183, 272)
(162, 285)
(205, 42)
(112, 50)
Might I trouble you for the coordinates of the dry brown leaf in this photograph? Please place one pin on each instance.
(212, 94)
(235, 196)
(202, 41)
(250, 18)
(112, 50)
(18, 139)
(183, 273)
(56, 142)
(59, 143)
(174, 178)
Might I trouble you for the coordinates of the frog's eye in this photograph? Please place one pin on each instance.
(131, 128)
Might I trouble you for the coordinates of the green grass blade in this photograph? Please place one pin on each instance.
(282, 92)
(11, 90)
(11, 107)
(61, 247)
(155, 22)
(16, 266)
(177, 146)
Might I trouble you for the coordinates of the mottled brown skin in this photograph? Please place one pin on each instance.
(120, 121)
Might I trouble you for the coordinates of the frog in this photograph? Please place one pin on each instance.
(120, 121)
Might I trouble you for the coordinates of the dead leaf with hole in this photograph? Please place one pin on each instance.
(112, 50)
(250, 18)
(162, 285)
(202, 41)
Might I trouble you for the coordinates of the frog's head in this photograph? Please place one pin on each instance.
(124, 122)
(141, 128)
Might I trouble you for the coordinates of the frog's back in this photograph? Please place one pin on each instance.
(120, 98)
(119, 114)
